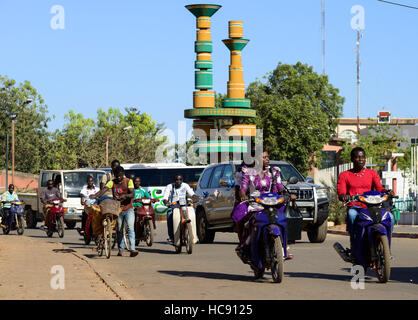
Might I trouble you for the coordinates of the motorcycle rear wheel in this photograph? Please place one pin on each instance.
(60, 227)
(6, 230)
(188, 238)
(149, 237)
(20, 225)
(277, 269)
(383, 262)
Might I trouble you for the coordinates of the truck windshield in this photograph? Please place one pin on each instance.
(75, 181)
(286, 171)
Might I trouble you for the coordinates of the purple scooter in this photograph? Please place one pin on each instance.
(268, 242)
(372, 236)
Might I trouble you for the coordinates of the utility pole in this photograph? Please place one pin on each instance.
(323, 37)
(7, 162)
(107, 150)
(358, 80)
(13, 150)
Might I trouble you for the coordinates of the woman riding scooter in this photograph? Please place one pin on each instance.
(255, 182)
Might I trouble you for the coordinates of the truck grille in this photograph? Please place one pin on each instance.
(303, 194)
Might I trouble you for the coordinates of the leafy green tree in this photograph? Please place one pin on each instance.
(32, 139)
(297, 110)
(381, 139)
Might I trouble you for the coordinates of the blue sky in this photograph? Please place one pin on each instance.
(136, 53)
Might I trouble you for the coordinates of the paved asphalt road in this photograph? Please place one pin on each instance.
(213, 271)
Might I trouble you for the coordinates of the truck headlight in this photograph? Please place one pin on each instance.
(72, 210)
(321, 194)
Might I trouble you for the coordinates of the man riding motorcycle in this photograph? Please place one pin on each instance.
(85, 193)
(357, 181)
(49, 194)
(172, 193)
(8, 197)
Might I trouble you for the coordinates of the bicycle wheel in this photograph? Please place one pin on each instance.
(188, 238)
(108, 237)
(100, 246)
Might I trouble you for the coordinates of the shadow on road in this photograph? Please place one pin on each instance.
(63, 250)
(399, 274)
(318, 276)
(208, 275)
(149, 250)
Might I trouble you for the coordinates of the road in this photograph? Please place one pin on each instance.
(213, 271)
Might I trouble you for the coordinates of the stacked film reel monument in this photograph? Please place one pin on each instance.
(235, 107)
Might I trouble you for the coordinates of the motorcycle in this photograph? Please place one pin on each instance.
(184, 225)
(56, 218)
(372, 235)
(144, 221)
(15, 219)
(266, 246)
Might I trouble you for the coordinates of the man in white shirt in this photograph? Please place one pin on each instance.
(85, 193)
(173, 193)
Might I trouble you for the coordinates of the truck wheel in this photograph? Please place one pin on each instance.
(203, 233)
(30, 218)
(318, 233)
(71, 224)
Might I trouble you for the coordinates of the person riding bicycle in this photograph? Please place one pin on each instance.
(356, 181)
(123, 191)
(8, 197)
(172, 193)
(49, 194)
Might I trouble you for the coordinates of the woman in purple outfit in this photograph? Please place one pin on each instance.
(255, 182)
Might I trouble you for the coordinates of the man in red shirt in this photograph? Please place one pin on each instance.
(357, 181)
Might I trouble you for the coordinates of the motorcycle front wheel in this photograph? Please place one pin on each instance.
(149, 237)
(60, 227)
(6, 230)
(276, 251)
(188, 238)
(383, 258)
(20, 225)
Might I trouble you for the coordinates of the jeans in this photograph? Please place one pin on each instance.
(129, 217)
(170, 223)
(352, 214)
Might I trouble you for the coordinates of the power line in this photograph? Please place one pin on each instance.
(398, 4)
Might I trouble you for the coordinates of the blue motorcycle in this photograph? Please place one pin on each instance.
(372, 235)
(268, 241)
(12, 219)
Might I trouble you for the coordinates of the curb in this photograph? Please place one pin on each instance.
(394, 235)
(114, 288)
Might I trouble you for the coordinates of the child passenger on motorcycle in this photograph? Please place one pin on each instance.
(357, 181)
(139, 192)
(255, 181)
(7, 197)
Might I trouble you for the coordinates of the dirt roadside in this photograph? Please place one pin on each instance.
(27, 272)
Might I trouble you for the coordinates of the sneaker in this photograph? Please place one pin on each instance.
(120, 253)
(134, 253)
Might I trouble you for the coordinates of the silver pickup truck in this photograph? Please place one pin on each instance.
(70, 183)
(216, 187)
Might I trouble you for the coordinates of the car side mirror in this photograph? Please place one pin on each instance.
(293, 180)
(309, 180)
